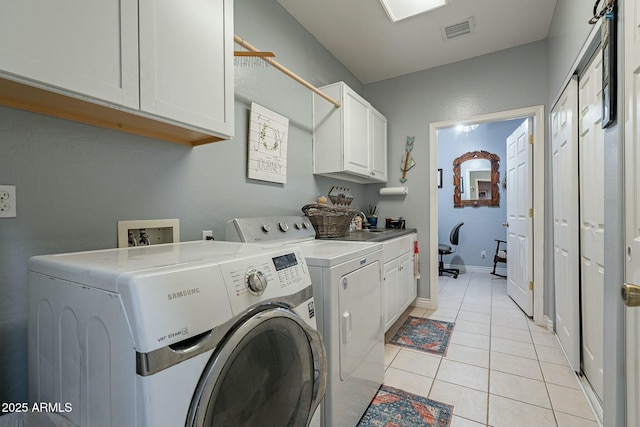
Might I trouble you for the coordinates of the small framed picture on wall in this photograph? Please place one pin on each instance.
(439, 178)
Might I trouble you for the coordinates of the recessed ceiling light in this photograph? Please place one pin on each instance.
(402, 9)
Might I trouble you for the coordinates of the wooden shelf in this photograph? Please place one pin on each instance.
(37, 100)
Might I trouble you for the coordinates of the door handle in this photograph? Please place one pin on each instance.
(505, 224)
(630, 295)
(346, 327)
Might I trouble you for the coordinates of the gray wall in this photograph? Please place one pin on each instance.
(74, 182)
(505, 80)
(568, 33)
(482, 225)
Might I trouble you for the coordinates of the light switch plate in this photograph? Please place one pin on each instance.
(8, 202)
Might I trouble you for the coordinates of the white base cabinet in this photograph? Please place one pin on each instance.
(160, 60)
(349, 142)
(399, 284)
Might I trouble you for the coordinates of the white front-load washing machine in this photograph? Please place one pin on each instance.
(346, 280)
(186, 334)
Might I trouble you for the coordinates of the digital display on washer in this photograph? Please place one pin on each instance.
(285, 261)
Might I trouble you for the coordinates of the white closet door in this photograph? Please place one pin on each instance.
(564, 143)
(592, 222)
(632, 201)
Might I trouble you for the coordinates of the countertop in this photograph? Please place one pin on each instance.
(374, 234)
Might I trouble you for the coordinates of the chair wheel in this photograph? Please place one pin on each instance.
(455, 276)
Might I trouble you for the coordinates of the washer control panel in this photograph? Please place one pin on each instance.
(269, 275)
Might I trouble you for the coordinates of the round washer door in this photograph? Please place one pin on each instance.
(269, 371)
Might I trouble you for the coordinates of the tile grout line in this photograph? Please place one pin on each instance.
(490, 356)
(544, 379)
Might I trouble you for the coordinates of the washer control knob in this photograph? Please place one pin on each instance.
(266, 228)
(305, 224)
(283, 226)
(256, 282)
(297, 225)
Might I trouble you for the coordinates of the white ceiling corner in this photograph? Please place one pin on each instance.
(361, 36)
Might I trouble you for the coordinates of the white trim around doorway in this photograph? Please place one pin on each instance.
(538, 192)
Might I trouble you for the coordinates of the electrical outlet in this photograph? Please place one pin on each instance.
(8, 202)
(483, 254)
(207, 234)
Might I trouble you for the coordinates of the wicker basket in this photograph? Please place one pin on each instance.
(329, 221)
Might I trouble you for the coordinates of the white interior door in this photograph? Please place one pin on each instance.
(519, 217)
(592, 222)
(564, 143)
(632, 201)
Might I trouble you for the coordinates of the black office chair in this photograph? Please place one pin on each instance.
(448, 250)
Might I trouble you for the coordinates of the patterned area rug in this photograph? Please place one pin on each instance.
(424, 334)
(397, 408)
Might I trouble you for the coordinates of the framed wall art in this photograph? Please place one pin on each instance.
(268, 131)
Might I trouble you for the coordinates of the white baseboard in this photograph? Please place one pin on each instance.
(477, 269)
(422, 303)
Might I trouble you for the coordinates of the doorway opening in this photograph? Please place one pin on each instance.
(537, 184)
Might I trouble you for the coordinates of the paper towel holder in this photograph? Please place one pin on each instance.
(394, 191)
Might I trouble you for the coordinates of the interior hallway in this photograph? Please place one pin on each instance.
(500, 369)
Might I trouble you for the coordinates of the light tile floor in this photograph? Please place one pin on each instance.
(500, 369)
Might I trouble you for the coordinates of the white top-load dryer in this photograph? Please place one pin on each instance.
(186, 334)
(346, 280)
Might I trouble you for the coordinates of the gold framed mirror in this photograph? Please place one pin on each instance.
(476, 176)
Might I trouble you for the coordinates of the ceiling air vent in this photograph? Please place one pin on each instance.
(456, 30)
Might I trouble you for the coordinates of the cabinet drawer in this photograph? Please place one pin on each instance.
(392, 249)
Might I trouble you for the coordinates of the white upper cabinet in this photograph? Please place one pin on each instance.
(184, 68)
(160, 68)
(378, 153)
(85, 47)
(356, 130)
(349, 142)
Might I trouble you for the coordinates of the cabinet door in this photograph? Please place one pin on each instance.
(390, 293)
(89, 47)
(408, 284)
(186, 68)
(378, 153)
(356, 134)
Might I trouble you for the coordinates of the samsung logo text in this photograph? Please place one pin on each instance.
(184, 293)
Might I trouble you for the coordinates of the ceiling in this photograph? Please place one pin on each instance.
(361, 36)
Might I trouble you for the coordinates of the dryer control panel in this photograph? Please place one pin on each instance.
(270, 229)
